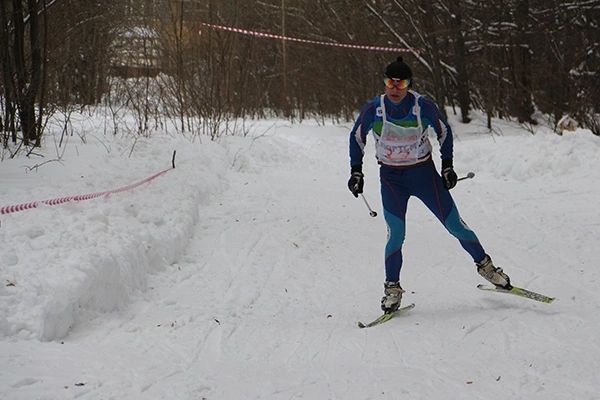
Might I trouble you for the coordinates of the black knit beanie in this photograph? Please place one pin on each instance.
(398, 70)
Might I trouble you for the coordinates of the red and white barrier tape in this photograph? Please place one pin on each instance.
(81, 197)
(293, 39)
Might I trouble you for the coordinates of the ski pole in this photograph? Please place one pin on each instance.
(371, 212)
(469, 176)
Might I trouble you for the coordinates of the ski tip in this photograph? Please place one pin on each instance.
(549, 299)
(361, 325)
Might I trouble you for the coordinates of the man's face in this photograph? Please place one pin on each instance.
(396, 89)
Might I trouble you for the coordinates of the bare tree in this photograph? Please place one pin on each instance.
(23, 65)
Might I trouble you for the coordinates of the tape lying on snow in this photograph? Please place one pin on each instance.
(82, 197)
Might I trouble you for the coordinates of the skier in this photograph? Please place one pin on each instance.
(401, 120)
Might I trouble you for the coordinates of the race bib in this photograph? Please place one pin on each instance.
(398, 145)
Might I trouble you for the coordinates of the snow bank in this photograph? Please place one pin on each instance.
(533, 157)
(510, 153)
(61, 263)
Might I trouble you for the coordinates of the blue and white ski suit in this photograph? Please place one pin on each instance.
(403, 151)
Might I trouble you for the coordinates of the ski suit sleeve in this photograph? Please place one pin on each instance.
(358, 135)
(431, 115)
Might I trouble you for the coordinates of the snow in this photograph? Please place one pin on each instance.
(241, 273)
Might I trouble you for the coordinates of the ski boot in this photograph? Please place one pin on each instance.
(393, 294)
(492, 274)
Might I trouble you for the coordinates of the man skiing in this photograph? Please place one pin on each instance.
(401, 120)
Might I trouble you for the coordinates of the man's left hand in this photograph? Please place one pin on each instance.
(449, 177)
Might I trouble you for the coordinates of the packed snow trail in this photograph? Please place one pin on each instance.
(263, 303)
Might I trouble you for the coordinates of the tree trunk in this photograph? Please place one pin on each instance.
(26, 114)
(25, 89)
(460, 60)
(523, 51)
(7, 76)
(34, 89)
(435, 57)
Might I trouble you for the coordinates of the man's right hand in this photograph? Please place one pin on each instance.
(356, 183)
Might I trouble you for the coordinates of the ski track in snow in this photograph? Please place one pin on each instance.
(263, 302)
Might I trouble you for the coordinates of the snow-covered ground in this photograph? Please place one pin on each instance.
(241, 274)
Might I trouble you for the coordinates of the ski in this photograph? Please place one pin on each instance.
(517, 291)
(386, 317)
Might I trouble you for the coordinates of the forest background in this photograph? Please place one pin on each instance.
(514, 59)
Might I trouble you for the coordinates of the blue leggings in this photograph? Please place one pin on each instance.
(424, 182)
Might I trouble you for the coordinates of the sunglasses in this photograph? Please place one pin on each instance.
(396, 83)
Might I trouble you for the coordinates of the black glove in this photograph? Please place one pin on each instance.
(356, 181)
(448, 175)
